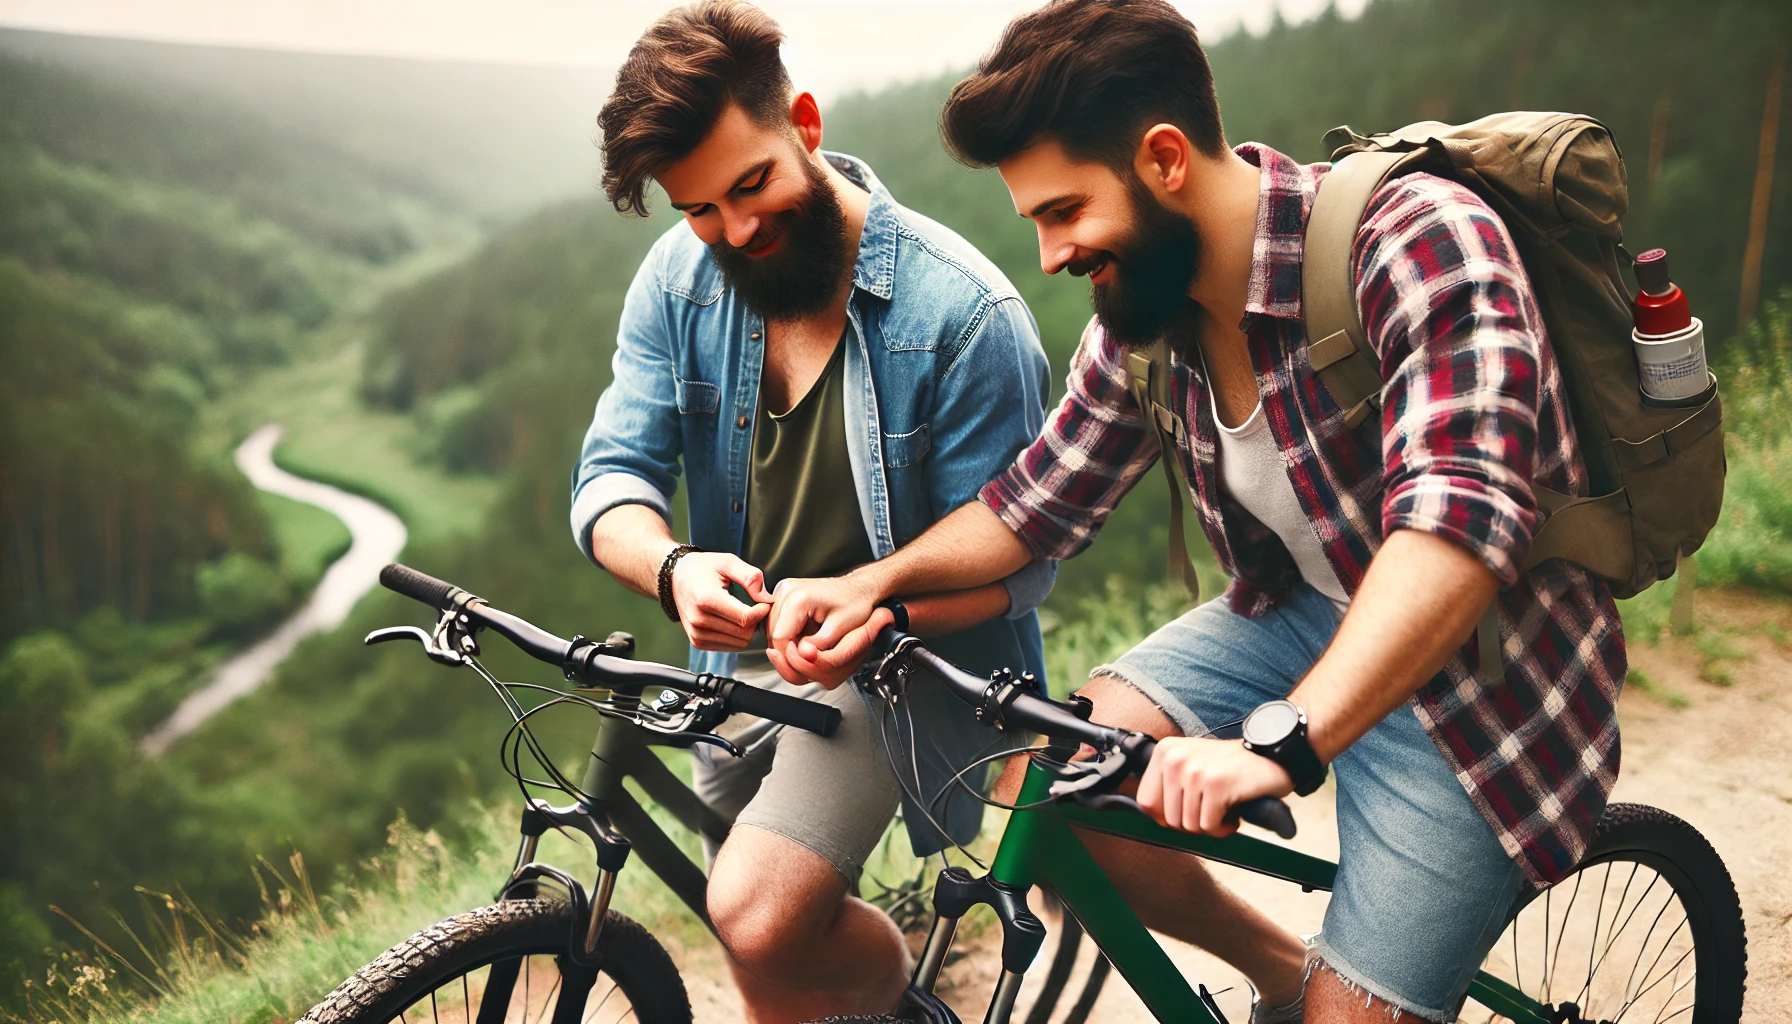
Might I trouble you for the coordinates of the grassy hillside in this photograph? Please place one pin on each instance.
(156, 252)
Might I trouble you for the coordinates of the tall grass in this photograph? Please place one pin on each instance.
(1752, 544)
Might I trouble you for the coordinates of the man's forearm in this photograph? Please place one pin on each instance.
(967, 549)
(942, 613)
(1417, 605)
(631, 541)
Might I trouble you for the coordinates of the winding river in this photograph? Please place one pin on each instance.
(378, 538)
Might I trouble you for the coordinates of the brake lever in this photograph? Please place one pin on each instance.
(438, 654)
(1085, 776)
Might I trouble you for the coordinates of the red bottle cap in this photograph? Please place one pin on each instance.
(1660, 307)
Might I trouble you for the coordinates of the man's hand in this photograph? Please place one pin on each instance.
(814, 616)
(713, 620)
(799, 661)
(1192, 783)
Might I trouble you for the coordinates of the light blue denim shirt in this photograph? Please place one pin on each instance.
(945, 384)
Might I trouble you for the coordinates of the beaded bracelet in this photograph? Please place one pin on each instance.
(670, 562)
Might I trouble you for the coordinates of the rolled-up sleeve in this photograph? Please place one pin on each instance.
(1445, 302)
(631, 452)
(1060, 490)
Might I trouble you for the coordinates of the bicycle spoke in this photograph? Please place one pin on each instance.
(1562, 933)
(547, 1000)
(1593, 946)
(434, 1017)
(1612, 940)
(575, 988)
(466, 1000)
(1630, 978)
(592, 1014)
(1669, 1001)
(1674, 967)
(1545, 989)
(1612, 930)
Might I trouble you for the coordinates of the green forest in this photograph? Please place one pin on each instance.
(180, 264)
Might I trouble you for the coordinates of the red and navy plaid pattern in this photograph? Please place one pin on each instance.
(1473, 411)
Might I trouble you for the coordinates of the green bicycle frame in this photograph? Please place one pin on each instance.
(1040, 848)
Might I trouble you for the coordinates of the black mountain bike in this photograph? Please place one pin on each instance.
(1658, 935)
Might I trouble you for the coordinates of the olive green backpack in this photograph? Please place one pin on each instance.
(1656, 470)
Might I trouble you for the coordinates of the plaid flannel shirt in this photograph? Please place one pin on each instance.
(1473, 411)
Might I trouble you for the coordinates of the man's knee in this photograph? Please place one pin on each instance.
(1120, 704)
(1332, 998)
(770, 898)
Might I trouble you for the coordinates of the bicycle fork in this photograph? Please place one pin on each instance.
(1022, 934)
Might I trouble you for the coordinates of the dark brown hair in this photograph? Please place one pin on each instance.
(1093, 74)
(680, 76)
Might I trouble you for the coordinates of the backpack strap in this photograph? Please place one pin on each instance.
(1337, 347)
(1150, 373)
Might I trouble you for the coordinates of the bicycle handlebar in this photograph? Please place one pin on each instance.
(1048, 718)
(587, 663)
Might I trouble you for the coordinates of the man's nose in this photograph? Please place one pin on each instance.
(739, 229)
(1054, 253)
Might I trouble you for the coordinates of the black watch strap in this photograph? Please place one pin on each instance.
(899, 611)
(1294, 752)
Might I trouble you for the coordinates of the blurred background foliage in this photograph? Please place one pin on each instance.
(417, 279)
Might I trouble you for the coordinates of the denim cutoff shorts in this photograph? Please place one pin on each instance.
(1424, 887)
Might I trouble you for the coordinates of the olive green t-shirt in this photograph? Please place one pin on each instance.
(802, 507)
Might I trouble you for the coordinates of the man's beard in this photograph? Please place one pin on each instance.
(803, 276)
(1153, 272)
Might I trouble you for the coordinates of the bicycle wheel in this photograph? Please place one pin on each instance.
(1647, 928)
(507, 964)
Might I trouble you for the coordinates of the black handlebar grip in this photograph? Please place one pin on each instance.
(417, 586)
(1268, 812)
(1264, 812)
(812, 716)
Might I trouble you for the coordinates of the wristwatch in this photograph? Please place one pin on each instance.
(1278, 730)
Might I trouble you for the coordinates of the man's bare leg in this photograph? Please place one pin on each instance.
(1173, 893)
(800, 947)
(1332, 1000)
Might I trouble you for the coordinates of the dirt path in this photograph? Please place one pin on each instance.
(1720, 761)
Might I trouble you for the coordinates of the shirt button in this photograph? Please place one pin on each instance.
(741, 423)
(754, 335)
(737, 506)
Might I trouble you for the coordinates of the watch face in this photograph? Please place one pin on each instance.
(1271, 724)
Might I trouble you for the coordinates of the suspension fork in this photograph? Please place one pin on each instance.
(1004, 890)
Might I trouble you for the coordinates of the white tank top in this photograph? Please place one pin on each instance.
(1251, 470)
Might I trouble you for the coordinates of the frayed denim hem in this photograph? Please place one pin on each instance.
(1154, 692)
(1319, 953)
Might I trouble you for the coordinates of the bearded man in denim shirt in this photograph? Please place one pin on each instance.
(834, 373)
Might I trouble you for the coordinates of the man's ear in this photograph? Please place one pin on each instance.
(1163, 157)
(805, 117)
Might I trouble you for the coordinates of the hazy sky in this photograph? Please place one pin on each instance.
(835, 45)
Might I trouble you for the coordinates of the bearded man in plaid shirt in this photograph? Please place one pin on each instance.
(1360, 560)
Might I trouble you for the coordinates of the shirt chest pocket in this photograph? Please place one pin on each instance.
(907, 449)
(696, 397)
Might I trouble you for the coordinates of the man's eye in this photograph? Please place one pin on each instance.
(753, 189)
(697, 211)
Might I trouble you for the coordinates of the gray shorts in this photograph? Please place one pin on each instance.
(833, 795)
